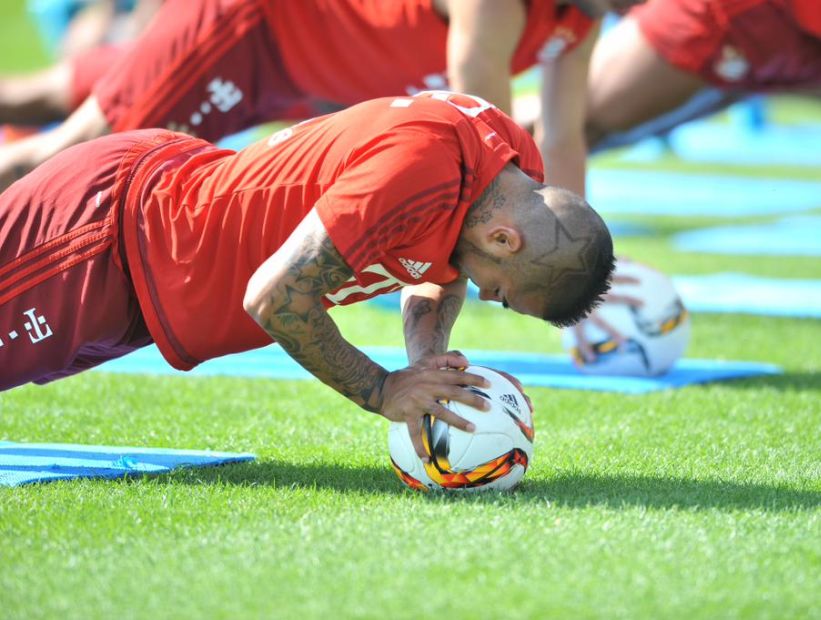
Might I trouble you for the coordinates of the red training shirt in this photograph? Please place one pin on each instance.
(391, 179)
(347, 51)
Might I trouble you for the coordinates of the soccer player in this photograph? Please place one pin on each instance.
(156, 236)
(213, 67)
(666, 51)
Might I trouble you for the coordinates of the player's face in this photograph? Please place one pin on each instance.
(495, 284)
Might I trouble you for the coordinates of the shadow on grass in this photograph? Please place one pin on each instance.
(565, 489)
(787, 382)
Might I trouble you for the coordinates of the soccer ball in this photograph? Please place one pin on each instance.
(656, 334)
(494, 456)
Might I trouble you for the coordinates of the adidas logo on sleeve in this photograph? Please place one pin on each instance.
(415, 268)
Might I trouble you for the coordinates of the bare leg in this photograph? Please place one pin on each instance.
(37, 98)
(629, 83)
(19, 158)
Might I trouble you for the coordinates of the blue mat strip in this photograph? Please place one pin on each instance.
(35, 462)
(791, 236)
(531, 369)
(771, 144)
(746, 294)
(669, 193)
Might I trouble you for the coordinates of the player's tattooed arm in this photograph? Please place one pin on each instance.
(285, 297)
(428, 314)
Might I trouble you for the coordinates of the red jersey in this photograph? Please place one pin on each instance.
(391, 180)
(807, 14)
(352, 50)
(755, 45)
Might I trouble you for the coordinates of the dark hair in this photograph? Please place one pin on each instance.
(581, 296)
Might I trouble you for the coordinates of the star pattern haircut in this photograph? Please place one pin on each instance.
(576, 250)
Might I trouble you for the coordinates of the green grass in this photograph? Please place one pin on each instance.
(703, 502)
(20, 47)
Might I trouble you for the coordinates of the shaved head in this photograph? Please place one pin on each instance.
(540, 250)
(567, 254)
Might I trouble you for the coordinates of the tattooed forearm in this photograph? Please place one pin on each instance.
(428, 322)
(448, 311)
(314, 341)
(418, 308)
(290, 310)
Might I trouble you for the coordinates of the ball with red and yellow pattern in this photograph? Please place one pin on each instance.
(495, 456)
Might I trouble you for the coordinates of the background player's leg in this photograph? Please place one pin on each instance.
(19, 158)
(629, 83)
(36, 98)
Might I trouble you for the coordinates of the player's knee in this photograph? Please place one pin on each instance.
(604, 118)
(598, 126)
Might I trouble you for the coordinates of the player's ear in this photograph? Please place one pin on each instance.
(504, 240)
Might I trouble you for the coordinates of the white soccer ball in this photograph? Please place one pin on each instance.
(656, 334)
(495, 456)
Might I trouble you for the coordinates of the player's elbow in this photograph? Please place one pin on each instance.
(257, 301)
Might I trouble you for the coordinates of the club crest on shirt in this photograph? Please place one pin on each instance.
(732, 65)
(415, 268)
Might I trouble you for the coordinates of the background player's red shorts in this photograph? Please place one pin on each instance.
(208, 68)
(747, 44)
(66, 302)
(90, 66)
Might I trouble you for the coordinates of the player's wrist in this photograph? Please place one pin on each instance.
(376, 398)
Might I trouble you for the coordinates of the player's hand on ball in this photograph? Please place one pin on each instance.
(451, 359)
(583, 344)
(411, 393)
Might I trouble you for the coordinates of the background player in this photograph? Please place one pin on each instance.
(213, 67)
(156, 236)
(666, 51)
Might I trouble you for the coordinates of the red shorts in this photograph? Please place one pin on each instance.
(66, 301)
(208, 68)
(747, 44)
(90, 66)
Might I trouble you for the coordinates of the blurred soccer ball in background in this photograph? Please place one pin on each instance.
(655, 334)
(495, 456)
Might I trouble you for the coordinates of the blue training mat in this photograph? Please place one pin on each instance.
(771, 144)
(531, 369)
(667, 193)
(791, 236)
(742, 293)
(24, 463)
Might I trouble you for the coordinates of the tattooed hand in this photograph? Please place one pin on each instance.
(411, 393)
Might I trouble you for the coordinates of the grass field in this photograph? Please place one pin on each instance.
(703, 502)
